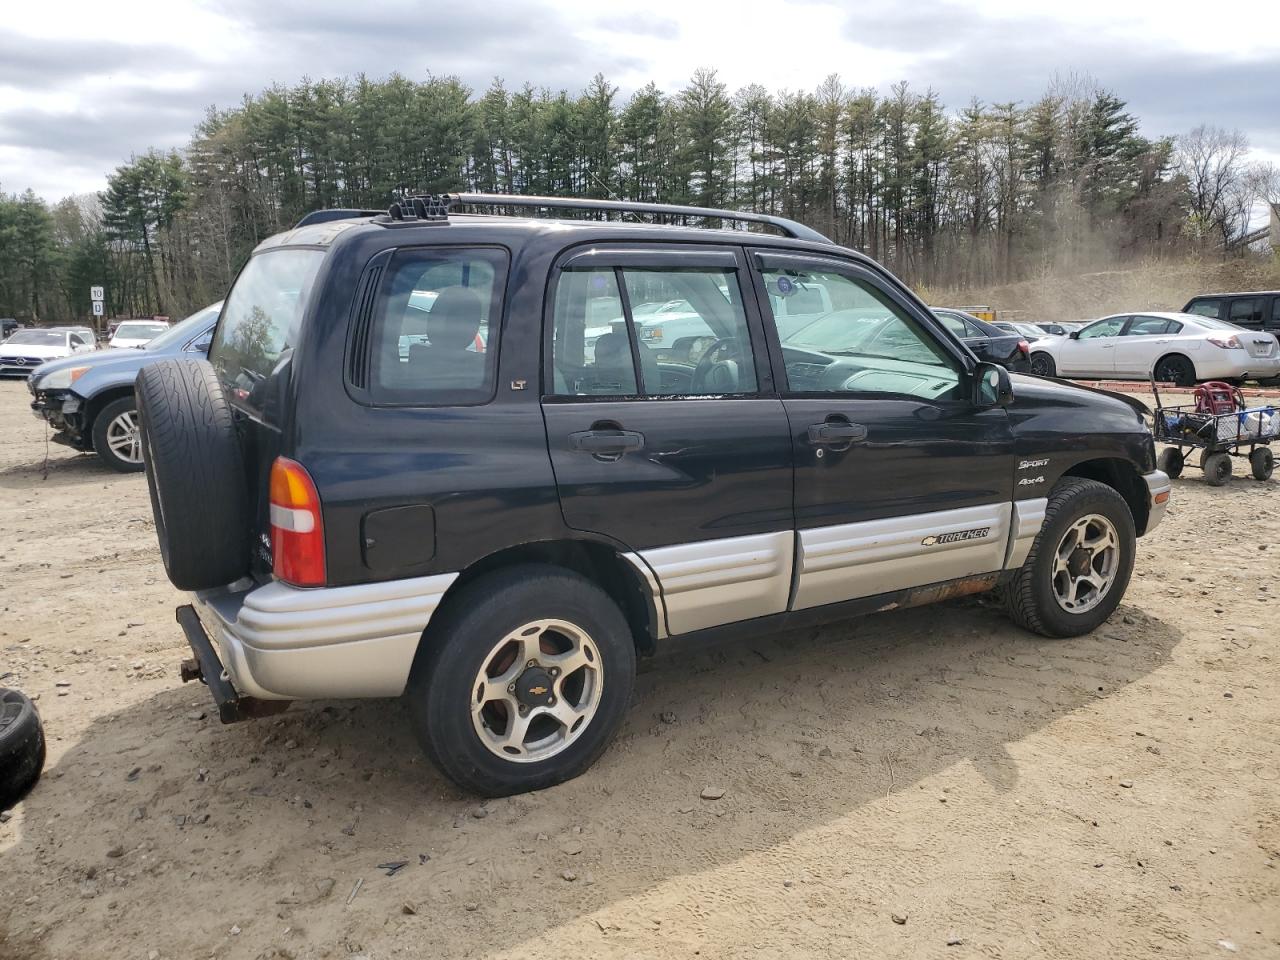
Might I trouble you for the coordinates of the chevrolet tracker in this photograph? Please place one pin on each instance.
(430, 455)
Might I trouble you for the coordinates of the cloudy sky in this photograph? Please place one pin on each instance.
(85, 84)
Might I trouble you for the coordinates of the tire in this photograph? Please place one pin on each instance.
(1042, 365)
(21, 746)
(463, 640)
(1177, 370)
(108, 428)
(1217, 469)
(195, 474)
(1171, 462)
(1262, 462)
(1031, 597)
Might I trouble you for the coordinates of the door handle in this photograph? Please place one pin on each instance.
(836, 431)
(606, 441)
(1107, 346)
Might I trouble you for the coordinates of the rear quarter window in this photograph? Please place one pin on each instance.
(433, 339)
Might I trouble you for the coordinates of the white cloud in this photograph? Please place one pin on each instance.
(84, 84)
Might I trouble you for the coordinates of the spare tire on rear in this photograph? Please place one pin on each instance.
(195, 473)
(21, 746)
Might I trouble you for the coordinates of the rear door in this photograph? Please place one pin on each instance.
(682, 457)
(901, 480)
(1143, 342)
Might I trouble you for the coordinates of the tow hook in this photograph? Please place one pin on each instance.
(190, 670)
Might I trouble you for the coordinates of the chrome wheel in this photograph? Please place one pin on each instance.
(537, 691)
(123, 438)
(1085, 563)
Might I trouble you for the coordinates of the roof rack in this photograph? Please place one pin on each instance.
(797, 231)
(325, 216)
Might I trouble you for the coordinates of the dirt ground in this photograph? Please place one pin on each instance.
(926, 783)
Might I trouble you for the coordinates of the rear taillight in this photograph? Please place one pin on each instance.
(1229, 343)
(297, 527)
(1024, 346)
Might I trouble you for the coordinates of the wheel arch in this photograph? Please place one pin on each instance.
(1053, 362)
(601, 563)
(94, 404)
(1123, 477)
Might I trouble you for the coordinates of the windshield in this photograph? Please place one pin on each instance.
(139, 331)
(180, 333)
(39, 338)
(261, 318)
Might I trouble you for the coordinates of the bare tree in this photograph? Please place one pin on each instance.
(1212, 160)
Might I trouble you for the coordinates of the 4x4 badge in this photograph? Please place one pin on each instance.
(956, 536)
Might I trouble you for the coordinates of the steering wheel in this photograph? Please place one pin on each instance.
(717, 369)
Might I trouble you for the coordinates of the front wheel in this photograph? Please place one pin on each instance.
(1171, 462)
(1042, 365)
(523, 680)
(1080, 564)
(1217, 468)
(1262, 462)
(116, 439)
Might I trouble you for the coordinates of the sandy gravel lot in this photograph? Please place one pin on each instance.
(928, 783)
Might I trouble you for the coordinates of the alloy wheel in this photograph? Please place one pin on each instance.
(1085, 563)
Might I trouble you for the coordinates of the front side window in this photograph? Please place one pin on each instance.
(864, 344)
(640, 331)
(262, 315)
(1103, 328)
(432, 339)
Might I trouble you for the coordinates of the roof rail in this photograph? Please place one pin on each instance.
(325, 216)
(797, 231)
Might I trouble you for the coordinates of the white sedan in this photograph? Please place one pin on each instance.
(1179, 348)
(27, 349)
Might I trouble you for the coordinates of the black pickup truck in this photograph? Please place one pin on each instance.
(429, 456)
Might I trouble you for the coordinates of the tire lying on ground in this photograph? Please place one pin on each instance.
(195, 473)
(21, 746)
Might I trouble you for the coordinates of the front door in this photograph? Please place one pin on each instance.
(1093, 352)
(902, 479)
(678, 453)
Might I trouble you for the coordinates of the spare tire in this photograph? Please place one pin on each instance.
(195, 473)
(21, 746)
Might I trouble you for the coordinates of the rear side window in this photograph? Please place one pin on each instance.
(647, 331)
(433, 338)
(1246, 312)
(1147, 326)
(262, 314)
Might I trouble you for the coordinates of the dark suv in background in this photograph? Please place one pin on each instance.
(497, 526)
(1259, 310)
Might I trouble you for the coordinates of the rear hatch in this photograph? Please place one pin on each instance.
(252, 351)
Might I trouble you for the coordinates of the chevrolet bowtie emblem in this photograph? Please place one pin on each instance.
(537, 691)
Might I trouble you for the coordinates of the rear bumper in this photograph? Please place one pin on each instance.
(1159, 490)
(277, 642)
(1235, 364)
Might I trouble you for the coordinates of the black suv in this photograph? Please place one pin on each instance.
(1258, 310)
(429, 455)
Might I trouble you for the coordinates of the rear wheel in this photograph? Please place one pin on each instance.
(1176, 370)
(1171, 462)
(1262, 462)
(116, 438)
(524, 680)
(1042, 365)
(21, 746)
(1217, 469)
(1080, 564)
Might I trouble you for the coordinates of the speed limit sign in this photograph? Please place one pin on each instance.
(95, 293)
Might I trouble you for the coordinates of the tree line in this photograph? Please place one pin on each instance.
(988, 193)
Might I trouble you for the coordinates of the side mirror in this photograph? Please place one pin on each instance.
(1073, 335)
(992, 386)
